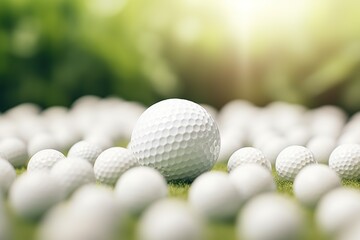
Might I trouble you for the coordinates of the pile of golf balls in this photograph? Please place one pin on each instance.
(107, 169)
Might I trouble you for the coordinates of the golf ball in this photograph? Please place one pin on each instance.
(44, 159)
(170, 219)
(345, 160)
(85, 150)
(7, 176)
(322, 147)
(313, 182)
(41, 141)
(248, 155)
(112, 163)
(178, 138)
(291, 160)
(251, 180)
(32, 194)
(270, 216)
(337, 210)
(14, 150)
(214, 196)
(72, 173)
(138, 188)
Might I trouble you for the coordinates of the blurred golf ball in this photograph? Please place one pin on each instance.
(72, 173)
(270, 217)
(214, 196)
(178, 138)
(170, 219)
(313, 182)
(251, 180)
(32, 194)
(14, 150)
(138, 188)
(7, 176)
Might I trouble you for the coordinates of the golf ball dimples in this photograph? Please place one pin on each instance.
(85, 150)
(178, 138)
(270, 216)
(72, 173)
(112, 163)
(248, 155)
(7, 176)
(170, 219)
(44, 160)
(345, 160)
(313, 182)
(32, 194)
(291, 160)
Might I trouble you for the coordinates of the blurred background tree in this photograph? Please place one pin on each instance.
(308, 52)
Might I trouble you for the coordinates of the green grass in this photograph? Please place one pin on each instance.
(25, 230)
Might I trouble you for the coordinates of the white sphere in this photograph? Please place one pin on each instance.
(291, 160)
(14, 150)
(345, 160)
(101, 140)
(138, 188)
(214, 196)
(112, 163)
(337, 210)
(40, 142)
(270, 217)
(32, 194)
(85, 150)
(313, 182)
(72, 173)
(322, 147)
(7, 176)
(248, 155)
(44, 160)
(169, 219)
(251, 180)
(351, 232)
(177, 137)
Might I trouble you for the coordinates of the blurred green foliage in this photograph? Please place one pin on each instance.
(52, 52)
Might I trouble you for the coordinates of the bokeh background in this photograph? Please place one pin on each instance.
(209, 51)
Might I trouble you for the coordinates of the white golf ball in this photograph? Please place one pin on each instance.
(270, 217)
(337, 210)
(251, 180)
(90, 214)
(32, 194)
(40, 142)
(177, 137)
(291, 160)
(214, 196)
(5, 227)
(273, 147)
(248, 155)
(313, 182)
(85, 150)
(351, 232)
(72, 173)
(322, 147)
(170, 219)
(14, 150)
(345, 160)
(113, 162)
(139, 187)
(44, 160)
(7, 176)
